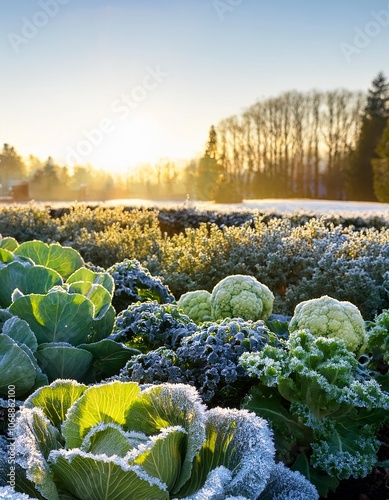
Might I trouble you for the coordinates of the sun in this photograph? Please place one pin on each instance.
(132, 141)
(121, 145)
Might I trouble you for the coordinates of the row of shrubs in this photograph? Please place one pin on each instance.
(175, 220)
(298, 256)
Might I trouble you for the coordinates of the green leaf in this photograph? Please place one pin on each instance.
(36, 438)
(323, 482)
(280, 328)
(6, 256)
(84, 274)
(109, 356)
(64, 260)
(94, 478)
(56, 399)
(106, 439)
(97, 294)
(40, 381)
(383, 380)
(161, 406)
(41, 378)
(345, 448)
(18, 330)
(9, 243)
(101, 403)
(102, 327)
(235, 439)
(164, 459)
(16, 367)
(56, 317)
(288, 431)
(4, 315)
(12, 468)
(32, 279)
(63, 361)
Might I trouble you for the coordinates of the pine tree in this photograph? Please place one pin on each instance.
(381, 168)
(208, 170)
(11, 168)
(50, 182)
(359, 177)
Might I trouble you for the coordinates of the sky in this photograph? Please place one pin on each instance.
(121, 83)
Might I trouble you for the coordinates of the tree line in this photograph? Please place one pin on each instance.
(50, 181)
(310, 145)
(47, 180)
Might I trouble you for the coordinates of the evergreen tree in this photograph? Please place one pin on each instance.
(213, 183)
(50, 182)
(11, 168)
(381, 168)
(208, 170)
(359, 178)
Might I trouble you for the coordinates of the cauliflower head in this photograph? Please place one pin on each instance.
(241, 296)
(328, 317)
(196, 305)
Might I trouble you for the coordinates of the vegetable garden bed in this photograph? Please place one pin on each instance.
(284, 316)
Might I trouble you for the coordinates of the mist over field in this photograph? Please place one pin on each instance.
(276, 205)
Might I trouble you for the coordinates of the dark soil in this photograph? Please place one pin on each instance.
(375, 486)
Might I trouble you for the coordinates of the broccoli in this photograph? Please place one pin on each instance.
(197, 305)
(241, 296)
(328, 317)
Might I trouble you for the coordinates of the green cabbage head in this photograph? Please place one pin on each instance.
(241, 296)
(196, 305)
(332, 318)
(117, 441)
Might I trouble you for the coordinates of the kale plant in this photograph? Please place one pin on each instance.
(148, 325)
(207, 359)
(376, 357)
(321, 403)
(134, 283)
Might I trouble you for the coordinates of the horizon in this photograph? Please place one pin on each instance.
(117, 84)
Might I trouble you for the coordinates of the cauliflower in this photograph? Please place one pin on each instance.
(196, 305)
(328, 317)
(241, 296)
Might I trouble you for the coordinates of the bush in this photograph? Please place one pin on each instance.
(28, 223)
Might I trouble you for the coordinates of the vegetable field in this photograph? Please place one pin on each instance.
(179, 353)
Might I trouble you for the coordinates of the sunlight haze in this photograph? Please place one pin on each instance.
(119, 83)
